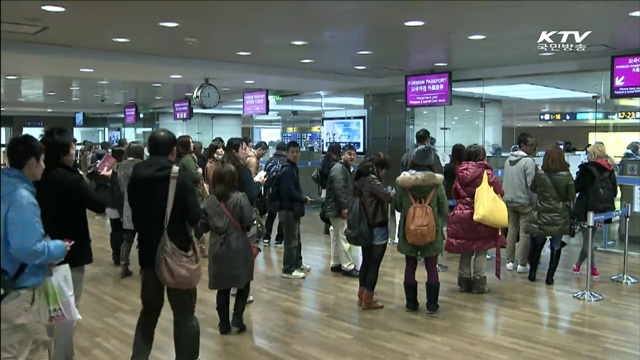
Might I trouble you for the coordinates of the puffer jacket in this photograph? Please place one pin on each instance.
(519, 170)
(463, 234)
(552, 213)
(420, 184)
(339, 190)
(584, 182)
(374, 199)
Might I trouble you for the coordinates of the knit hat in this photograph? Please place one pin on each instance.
(281, 146)
(423, 156)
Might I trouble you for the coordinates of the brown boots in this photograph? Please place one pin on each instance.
(360, 293)
(368, 303)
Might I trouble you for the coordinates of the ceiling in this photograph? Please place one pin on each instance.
(81, 37)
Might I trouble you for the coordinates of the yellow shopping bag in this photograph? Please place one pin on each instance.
(489, 209)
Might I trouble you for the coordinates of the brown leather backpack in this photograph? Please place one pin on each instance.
(420, 226)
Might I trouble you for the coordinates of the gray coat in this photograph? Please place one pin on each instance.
(519, 170)
(230, 254)
(339, 189)
(124, 174)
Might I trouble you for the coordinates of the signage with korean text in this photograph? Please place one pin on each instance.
(428, 90)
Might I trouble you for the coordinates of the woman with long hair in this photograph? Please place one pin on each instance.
(457, 157)
(374, 198)
(115, 204)
(135, 155)
(597, 190)
(229, 216)
(236, 154)
(215, 152)
(465, 236)
(186, 160)
(552, 213)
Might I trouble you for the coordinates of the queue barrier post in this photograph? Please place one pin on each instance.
(624, 278)
(588, 295)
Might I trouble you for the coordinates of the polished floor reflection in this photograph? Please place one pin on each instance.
(317, 318)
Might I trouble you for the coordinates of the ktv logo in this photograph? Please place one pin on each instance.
(546, 41)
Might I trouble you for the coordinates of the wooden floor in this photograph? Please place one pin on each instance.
(317, 318)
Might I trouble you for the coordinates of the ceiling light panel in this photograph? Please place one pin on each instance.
(365, 52)
(299, 43)
(356, 101)
(413, 23)
(243, 53)
(477, 37)
(169, 24)
(525, 91)
(53, 8)
(121, 40)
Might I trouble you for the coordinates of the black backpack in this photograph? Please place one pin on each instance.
(272, 188)
(358, 232)
(600, 197)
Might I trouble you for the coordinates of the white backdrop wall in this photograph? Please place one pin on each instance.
(203, 128)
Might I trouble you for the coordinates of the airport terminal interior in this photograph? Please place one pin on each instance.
(368, 74)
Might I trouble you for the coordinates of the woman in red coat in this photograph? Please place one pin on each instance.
(465, 236)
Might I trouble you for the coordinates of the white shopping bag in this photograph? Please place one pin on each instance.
(59, 297)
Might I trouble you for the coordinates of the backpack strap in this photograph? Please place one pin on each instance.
(433, 192)
(173, 180)
(413, 201)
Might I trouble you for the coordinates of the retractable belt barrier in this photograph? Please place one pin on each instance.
(592, 218)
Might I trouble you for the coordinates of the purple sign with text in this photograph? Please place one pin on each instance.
(625, 76)
(256, 103)
(182, 109)
(130, 114)
(428, 90)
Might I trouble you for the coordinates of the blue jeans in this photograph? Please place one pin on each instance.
(380, 235)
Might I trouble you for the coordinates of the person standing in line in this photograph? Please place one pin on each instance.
(421, 181)
(339, 195)
(135, 154)
(450, 170)
(292, 202)
(123, 143)
(148, 192)
(254, 156)
(375, 200)
(332, 156)
(27, 253)
(115, 205)
(519, 170)
(64, 198)
(273, 168)
(198, 152)
(187, 161)
(228, 216)
(597, 189)
(214, 158)
(552, 215)
(466, 237)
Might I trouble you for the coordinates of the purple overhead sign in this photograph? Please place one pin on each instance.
(428, 90)
(182, 109)
(625, 76)
(130, 114)
(256, 103)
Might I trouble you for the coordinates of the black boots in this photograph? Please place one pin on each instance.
(223, 313)
(554, 260)
(535, 250)
(433, 292)
(464, 284)
(411, 295)
(238, 311)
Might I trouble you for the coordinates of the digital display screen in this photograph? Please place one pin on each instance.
(182, 110)
(130, 114)
(114, 136)
(255, 103)
(428, 90)
(348, 130)
(79, 118)
(625, 76)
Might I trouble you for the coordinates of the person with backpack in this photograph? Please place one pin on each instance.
(552, 214)
(597, 190)
(339, 194)
(291, 204)
(465, 236)
(332, 156)
(421, 200)
(375, 199)
(272, 168)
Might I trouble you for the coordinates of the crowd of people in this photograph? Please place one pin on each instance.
(176, 189)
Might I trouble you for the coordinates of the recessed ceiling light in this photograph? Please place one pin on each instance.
(96, 95)
(299, 43)
(75, 99)
(243, 53)
(124, 91)
(49, 110)
(188, 94)
(467, 110)
(225, 89)
(103, 82)
(546, 54)
(120, 40)
(52, 8)
(453, 122)
(74, 88)
(455, 118)
(158, 97)
(306, 61)
(176, 76)
(11, 77)
(132, 101)
(635, 13)
(477, 37)
(360, 67)
(169, 24)
(413, 23)
(20, 99)
(51, 93)
(440, 64)
(424, 112)
(62, 101)
(399, 100)
(156, 85)
(117, 103)
(526, 91)
(249, 81)
(86, 70)
(1, 109)
(365, 52)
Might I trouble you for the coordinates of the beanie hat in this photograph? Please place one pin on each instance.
(281, 146)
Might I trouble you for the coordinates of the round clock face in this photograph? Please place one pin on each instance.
(208, 96)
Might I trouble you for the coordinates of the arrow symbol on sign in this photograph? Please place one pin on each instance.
(619, 80)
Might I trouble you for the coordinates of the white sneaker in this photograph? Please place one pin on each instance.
(510, 266)
(523, 269)
(305, 268)
(294, 275)
(250, 299)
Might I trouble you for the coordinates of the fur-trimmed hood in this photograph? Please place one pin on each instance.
(412, 179)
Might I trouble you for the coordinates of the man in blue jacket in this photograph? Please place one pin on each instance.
(26, 252)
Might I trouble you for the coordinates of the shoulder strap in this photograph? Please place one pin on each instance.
(173, 180)
(226, 211)
(19, 272)
(413, 201)
(433, 192)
